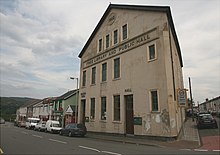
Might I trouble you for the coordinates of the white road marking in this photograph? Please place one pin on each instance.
(37, 136)
(216, 150)
(200, 150)
(186, 149)
(24, 133)
(54, 140)
(89, 148)
(111, 152)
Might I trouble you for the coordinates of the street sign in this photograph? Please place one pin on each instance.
(182, 98)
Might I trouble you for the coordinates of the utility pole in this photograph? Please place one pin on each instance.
(190, 91)
(76, 106)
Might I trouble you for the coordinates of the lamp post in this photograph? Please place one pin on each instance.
(76, 107)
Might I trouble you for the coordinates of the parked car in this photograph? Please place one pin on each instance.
(31, 122)
(41, 126)
(74, 129)
(2, 121)
(21, 124)
(206, 120)
(53, 126)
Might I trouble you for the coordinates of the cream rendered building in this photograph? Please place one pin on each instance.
(131, 69)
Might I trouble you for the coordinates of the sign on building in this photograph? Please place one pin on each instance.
(182, 97)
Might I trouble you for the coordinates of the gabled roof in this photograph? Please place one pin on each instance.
(30, 103)
(67, 95)
(165, 9)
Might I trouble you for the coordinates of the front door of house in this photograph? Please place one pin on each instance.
(83, 110)
(129, 114)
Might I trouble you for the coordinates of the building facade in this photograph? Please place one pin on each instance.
(212, 105)
(131, 69)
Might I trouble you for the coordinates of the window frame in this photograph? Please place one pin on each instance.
(103, 110)
(84, 79)
(116, 108)
(113, 37)
(114, 69)
(102, 75)
(149, 52)
(100, 47)
(92, 108)
(93, 76)
(151, 100)
(108, 41)
(122, 32)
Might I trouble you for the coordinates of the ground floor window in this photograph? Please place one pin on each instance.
(117, 108)
(154, 100)
(92, 109)
(103, 108)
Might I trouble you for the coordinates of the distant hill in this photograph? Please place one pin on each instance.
(9, 105)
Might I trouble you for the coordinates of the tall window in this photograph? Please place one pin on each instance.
(115, 37)
(116, 68)
(104, 72)
(100, 45)
(107, 41)
(154, 100)
(117, 108)
(152, 52)
(92, 109)
(84, 79)
(93, 75)
(124, 32)
(103, 108)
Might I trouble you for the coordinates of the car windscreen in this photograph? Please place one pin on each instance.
(206, 116)
(56, 125)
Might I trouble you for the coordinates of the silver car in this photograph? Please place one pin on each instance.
(41, 126)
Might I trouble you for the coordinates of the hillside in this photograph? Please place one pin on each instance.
(9, 105)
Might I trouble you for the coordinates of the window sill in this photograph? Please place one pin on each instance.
(151, 60)
(117, 122)
(116, 79)
(103, 121)
(156, 112)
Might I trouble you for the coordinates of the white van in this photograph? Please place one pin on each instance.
(31, 122)
(53, 126)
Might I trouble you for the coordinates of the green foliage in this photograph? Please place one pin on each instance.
(9, 105)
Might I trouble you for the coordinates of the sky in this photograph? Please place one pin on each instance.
(40, 41)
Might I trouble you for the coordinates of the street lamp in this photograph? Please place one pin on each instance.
(76, 107)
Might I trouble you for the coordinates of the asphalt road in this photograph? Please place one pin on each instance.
(210, 138)
(16, 140)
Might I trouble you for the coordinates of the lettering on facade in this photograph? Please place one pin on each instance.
(124, 47)
(128, 90)
(111, 19)
(83, 95)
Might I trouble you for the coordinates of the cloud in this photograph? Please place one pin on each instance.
(40, 42)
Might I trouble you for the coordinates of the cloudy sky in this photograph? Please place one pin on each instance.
(40, 41)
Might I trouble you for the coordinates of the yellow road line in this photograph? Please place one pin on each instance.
(1, 152)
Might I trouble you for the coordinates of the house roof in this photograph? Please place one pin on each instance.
(165, 9)
(31, 102)
(67, 95)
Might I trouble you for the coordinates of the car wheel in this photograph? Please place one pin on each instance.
(70, 134)
(60, 133)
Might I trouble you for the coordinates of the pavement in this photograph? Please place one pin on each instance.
(189, 140)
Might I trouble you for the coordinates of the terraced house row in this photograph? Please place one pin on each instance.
(61, 108)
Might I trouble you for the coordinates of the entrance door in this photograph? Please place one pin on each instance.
(83, 111)
(129, 114)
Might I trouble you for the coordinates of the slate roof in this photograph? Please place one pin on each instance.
(67, 94)
(165, 9)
